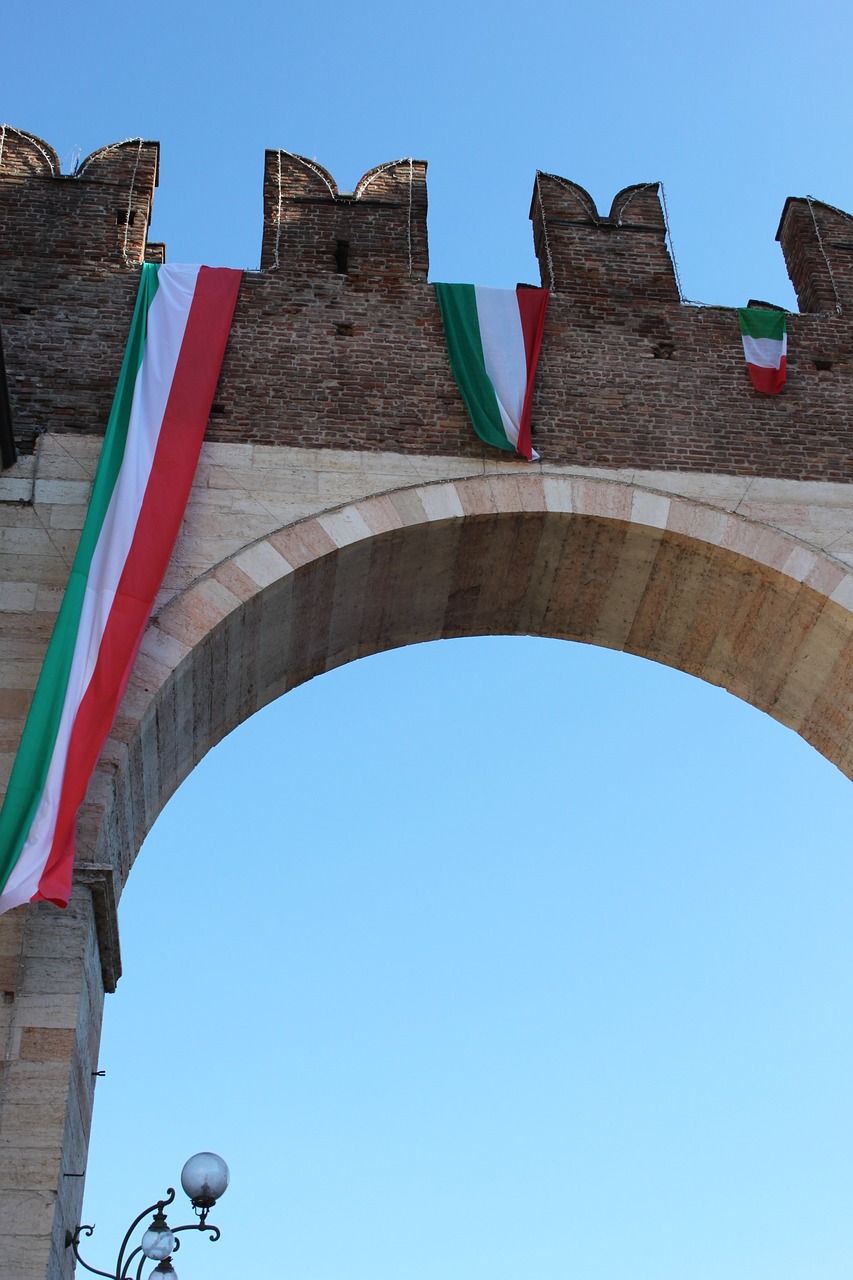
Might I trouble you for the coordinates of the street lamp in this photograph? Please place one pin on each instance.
(204, 1177)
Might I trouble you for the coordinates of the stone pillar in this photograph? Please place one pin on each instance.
(52, 997)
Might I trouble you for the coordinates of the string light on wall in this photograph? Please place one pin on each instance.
(204, 1178)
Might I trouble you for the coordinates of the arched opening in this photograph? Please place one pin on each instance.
(570, 1014)
(739, 604)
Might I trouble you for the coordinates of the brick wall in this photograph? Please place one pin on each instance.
(337, 341)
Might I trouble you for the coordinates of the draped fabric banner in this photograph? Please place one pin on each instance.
(765, 345)
(162, 402)
(493, 340)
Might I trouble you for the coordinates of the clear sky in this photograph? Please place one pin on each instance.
(564, 991)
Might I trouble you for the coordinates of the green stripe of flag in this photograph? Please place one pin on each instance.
(458, 306)
(760, 322)
(29, 772)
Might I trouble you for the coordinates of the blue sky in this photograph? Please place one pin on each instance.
(563, 990)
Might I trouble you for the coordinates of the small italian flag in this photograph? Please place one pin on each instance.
(150, 450)
(765, 345)
(493, 340)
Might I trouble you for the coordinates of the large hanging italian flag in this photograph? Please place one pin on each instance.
(150, 450)
(493, 340)
(765, 345)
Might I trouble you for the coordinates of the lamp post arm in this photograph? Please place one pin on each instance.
(204, 1177)
(158, 1206)
(71, 1242)
(125, 1271)
(215, 1233)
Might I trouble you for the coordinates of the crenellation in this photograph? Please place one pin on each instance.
(100, 213)
(639, 208)
(615, 267)
(369, 236)
(23, 155)
(817, 241)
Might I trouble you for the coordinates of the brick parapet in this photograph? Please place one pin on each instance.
(355, 359)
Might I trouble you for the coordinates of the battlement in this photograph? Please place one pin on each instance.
(376, 232)
(602, 262)
(99, 213)
(337, 341)
(817, 241)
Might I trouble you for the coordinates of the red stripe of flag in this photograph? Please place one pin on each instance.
(769, 381)
(531, 308)
(174, 464)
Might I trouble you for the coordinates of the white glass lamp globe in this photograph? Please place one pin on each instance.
(158, 1242)
(163, 1271)
(204, 1177)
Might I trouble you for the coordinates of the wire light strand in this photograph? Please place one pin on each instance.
(34, 142)
(549, 261)
(810, 200)
(129, 214)
(276, 256)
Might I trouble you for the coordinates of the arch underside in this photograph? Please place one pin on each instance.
(707, 610)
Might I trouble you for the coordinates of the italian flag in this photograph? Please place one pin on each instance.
(493, 340)
(765, 345)
(150, 450)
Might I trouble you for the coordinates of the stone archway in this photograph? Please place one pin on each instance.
(324, 526)
(715, 595)
(630, 567)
